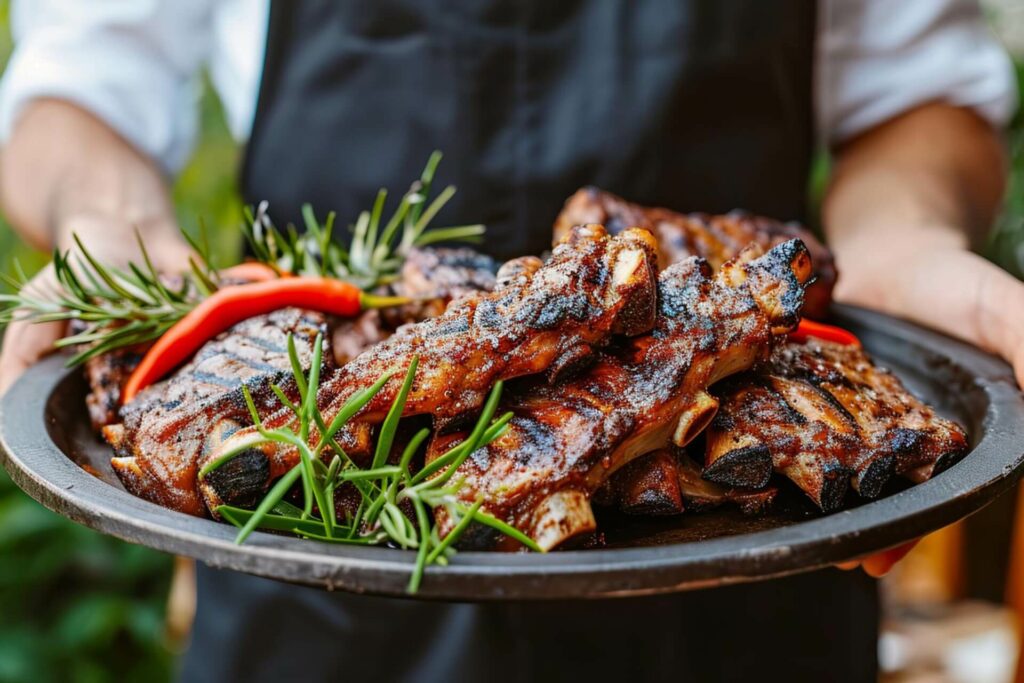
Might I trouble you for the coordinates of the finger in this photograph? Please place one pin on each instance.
(880, 564)
(1018, 364)
(172, 256)
(24, 344)
(847, 566)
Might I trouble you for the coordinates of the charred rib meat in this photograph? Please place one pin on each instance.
(168, 426)
(567, 439)
(714, 238)
(668, 482)
(593, 287)
(825, 416)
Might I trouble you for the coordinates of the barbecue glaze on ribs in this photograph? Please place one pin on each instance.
(825, 416)
(544, 318)
(565, 440)
(714, 238)
(169, 425)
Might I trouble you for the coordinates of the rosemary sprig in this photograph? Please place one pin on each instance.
(121, 308)
(377, 248)
(117, 307)
(384, 489)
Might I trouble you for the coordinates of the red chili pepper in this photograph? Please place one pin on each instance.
(808, 328)
(233, 304)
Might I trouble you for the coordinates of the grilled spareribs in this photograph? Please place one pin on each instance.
(593, 287)
(169, 425)
(825, 416)
(715, 238)
(566, 439)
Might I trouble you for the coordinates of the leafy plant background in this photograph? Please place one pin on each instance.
(79, 606)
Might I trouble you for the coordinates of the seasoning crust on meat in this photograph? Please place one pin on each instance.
(714, 238)
(566, 439)
(593, 287)
(825, 416)
(169, 425)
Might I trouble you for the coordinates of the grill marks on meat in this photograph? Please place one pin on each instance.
(200, 395)
(565, 440)
(592, 287)
(169, 425)
(825, 416)
(432, 277)
(714, 238)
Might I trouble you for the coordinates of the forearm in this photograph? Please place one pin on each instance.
(906, 203)
(64, 170)
(65, 173)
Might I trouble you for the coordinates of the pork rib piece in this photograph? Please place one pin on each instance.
(668, 482)
(544, 317)
(715, 238)
(168, 426)
(565, 440)
(825, 416)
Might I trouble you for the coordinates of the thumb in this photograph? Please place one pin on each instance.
(24, 344)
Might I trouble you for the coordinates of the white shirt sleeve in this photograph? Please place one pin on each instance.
(132, 63)
(880, 58)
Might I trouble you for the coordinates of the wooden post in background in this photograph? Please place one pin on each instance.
(1015, 580)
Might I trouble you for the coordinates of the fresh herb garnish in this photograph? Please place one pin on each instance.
(376, 251)
(383, 489)
(125, 307)
(119, 308)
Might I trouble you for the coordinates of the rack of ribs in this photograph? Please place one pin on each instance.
(826, 417)
(541, 319)
(566, 439)
(714, 238)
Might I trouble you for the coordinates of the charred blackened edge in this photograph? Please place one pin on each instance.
(835, 484)
(748, 467)
(241, 481)
(790, 264)
(869, 480)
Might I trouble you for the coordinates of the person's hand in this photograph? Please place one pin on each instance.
(879, 564)
(946, 287)
(112, 242)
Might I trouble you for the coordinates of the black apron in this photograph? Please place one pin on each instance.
(690, 104)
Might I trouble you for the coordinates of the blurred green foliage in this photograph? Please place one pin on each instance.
(1006, 246)
(76, 605)
(79, 606)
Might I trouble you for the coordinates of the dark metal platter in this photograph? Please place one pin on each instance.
(45, 437)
